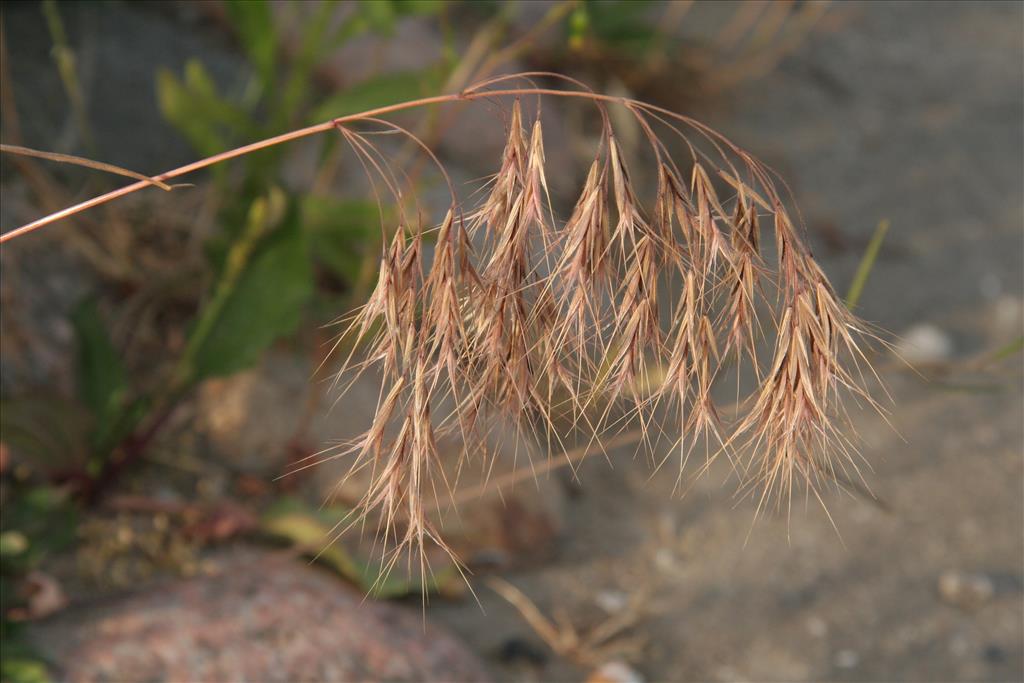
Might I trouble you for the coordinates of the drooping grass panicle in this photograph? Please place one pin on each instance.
(519, 317)
(656, 283)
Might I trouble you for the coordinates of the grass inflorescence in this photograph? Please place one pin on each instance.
(623, 312)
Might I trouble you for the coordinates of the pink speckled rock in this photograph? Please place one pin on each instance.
(260, 617)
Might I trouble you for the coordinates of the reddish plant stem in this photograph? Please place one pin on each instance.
(467, 95)
(130, 450)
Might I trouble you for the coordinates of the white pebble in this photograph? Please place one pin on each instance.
(925, 344)
(847, 659)
(615, 672)
(1007, 314)
(611, 601)
(817, 627)
(965, 590)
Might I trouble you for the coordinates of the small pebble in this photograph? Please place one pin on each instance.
(965, 590)
(615, 672)
(611, 601)
(817, 627)
(1007, 314)
(925, 343)
(664, 559)
(847, 659)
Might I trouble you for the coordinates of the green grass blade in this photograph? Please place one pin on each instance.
(866, 263)
(1013, 347)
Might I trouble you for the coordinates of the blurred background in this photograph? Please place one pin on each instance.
(160, 353)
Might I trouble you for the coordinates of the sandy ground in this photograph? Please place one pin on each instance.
(908, 112)
(911, 113)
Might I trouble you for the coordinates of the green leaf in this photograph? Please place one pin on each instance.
(264, 285)
(578, 26)
(20, 661)
(867, 262)
(209, 122)
(341, 232)
(420, 7)
(113, 433)
(44, 518)
(381, 91)
(293, 520)
(380, 16)
(623, 25)
(102, 382)
(312, 530)
(253, 21)
(19, 670)
(181, 109)
(1014, 347)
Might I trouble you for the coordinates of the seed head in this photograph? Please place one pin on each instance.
(620, 312)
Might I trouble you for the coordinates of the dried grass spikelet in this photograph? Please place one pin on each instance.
(627, 312)
(552, 325)
(740, 312)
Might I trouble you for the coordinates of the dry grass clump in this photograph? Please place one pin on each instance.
(625, 312)
(602, 319)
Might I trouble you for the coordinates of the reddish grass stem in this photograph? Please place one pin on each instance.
(326, 126)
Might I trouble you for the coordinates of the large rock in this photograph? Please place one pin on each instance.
(259, 616)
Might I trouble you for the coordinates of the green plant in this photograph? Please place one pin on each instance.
(336, 232)
(271, 242)
(37, 520)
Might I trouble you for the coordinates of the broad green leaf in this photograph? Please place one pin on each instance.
(264, 285)
(21, 670)
(341, 232)
(379, 92)
(312, 530)
(253, 21)
(102, 382)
